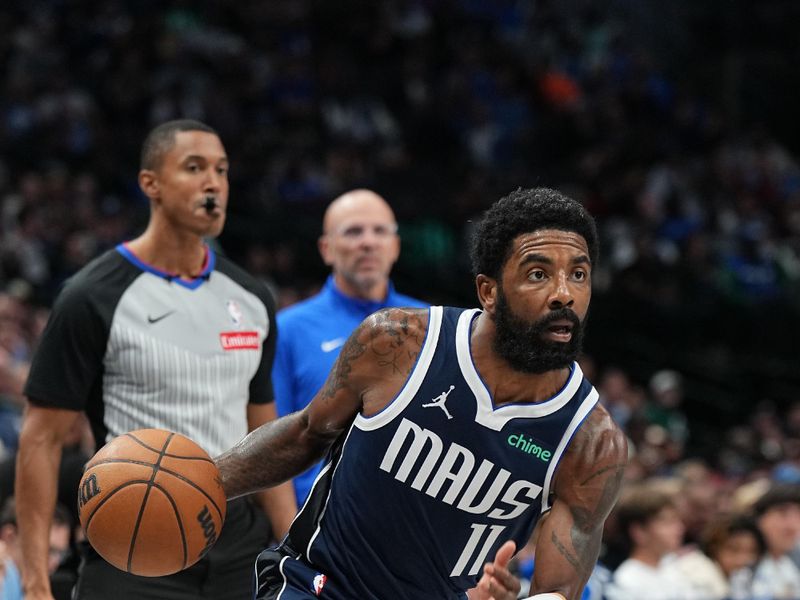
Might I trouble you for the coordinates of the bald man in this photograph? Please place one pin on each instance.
(359, 242)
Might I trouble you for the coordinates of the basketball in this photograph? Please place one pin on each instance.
(151, 502)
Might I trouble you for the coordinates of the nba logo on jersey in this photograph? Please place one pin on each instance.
(319, 583)
(235, 312)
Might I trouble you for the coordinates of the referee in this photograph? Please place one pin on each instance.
(159, 332)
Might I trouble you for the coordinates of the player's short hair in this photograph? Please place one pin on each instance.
(526, 211)
(161, 139)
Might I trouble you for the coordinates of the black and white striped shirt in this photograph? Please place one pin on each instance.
(136, 347)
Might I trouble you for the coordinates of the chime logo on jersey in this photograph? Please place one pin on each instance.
(319, 583)
(239, 340)
(529, 445)
(235, 311)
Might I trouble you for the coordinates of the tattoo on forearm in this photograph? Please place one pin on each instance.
(571, 558)
(248, 467)
(587, 522)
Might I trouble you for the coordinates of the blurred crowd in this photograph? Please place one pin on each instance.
(442, 106)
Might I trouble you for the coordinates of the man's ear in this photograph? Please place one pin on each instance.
(324, 247)
(487, 293)
(148, 182)
(395, 249)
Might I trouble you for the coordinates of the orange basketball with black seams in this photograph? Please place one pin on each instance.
(151, 502)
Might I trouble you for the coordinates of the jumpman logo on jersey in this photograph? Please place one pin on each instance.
(440, 400)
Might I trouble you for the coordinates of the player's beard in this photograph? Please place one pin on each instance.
(521, 343)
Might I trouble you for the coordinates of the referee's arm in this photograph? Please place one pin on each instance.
(65, 367)
(38, 458)
(278, 502)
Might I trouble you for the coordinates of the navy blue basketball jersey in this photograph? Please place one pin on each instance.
(415, 499)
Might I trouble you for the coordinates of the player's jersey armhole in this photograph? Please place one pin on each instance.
(580, 416)
(418, 372)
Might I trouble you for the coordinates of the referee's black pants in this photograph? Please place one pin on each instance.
(225, 573)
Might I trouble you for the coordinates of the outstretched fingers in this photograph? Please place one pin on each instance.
(497, 582)
(505, 554)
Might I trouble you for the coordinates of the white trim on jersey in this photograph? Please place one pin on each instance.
(328, 499)
(411, 387)
(386, 415)
(322, 472)
(496, 418)
(285, 579)
(586, 407)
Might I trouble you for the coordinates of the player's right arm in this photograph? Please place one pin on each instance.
(371, 368)
(35, 488)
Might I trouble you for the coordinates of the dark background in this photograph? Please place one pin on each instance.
(675, 122)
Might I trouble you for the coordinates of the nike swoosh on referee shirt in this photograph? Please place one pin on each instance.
(157, 319)
(331, 345)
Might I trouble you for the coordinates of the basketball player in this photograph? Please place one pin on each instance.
(412, 504)
(150, 334)
(359, 242)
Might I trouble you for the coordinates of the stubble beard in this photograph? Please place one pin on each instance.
(364, 285)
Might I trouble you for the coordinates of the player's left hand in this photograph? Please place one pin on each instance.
(497, 582)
